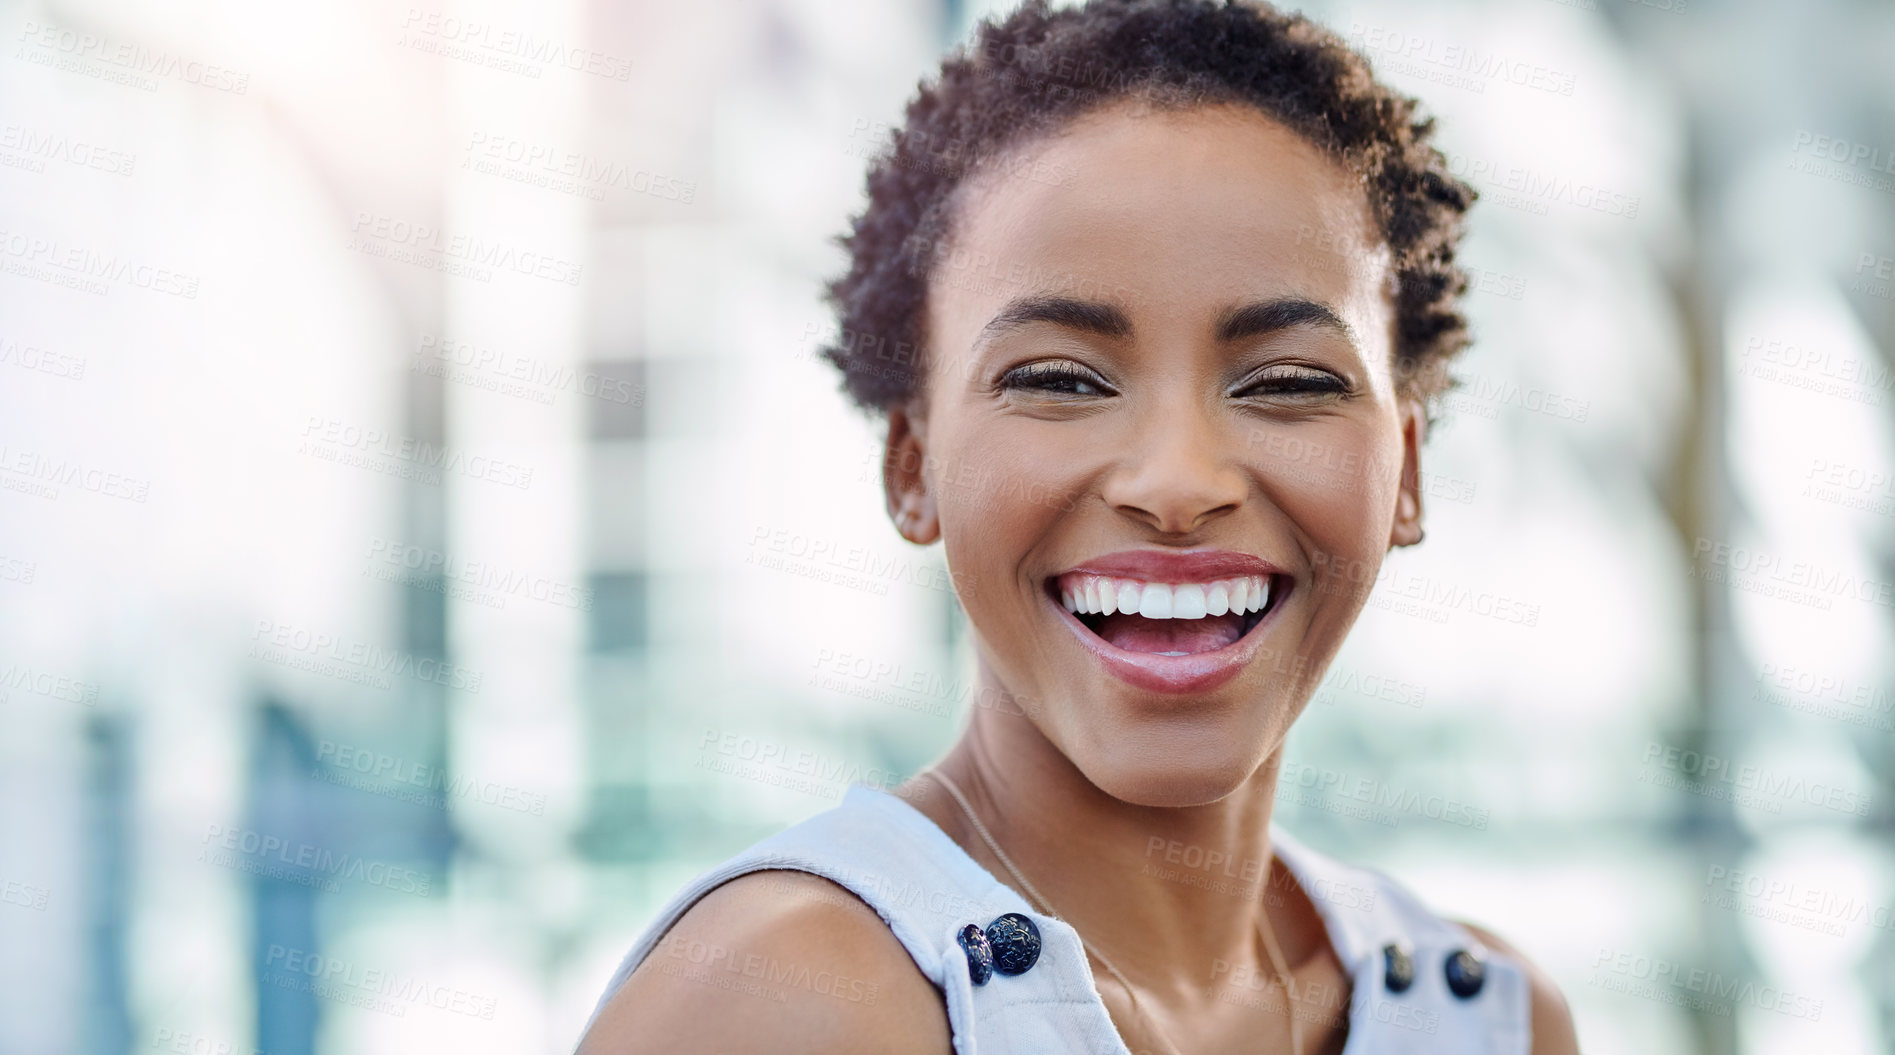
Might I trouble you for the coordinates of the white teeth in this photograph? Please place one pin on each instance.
(1154, 602)
(1101, 595)
(1128, 596)
(1187, 601)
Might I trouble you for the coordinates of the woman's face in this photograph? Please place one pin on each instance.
(1164, 382)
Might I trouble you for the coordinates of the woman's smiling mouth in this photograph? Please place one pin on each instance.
(1167, 621)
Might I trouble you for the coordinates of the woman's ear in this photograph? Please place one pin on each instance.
(1407, 528)
(905, 478)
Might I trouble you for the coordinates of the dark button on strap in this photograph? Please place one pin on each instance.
(980, 955)
(1465, 973)
(1016, 943)
(1401, 968)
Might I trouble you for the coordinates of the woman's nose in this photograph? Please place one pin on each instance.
(1177, 475)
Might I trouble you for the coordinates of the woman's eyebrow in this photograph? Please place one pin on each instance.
(1109, 320)
(1106, 320)
(1268, 316)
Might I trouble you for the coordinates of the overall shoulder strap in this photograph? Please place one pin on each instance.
(926, 888)
(1366, 912)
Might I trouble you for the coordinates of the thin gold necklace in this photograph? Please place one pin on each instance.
(1277, 962)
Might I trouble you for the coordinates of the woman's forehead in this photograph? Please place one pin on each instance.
(1165, 213)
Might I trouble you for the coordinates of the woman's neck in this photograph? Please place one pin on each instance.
(1171, 895)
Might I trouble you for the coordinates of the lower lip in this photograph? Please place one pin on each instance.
(1199, 672)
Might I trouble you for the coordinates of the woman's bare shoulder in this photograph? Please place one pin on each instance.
(1553, 1032)
(775, 961)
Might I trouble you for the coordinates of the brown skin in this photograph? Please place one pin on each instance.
(1170, 439)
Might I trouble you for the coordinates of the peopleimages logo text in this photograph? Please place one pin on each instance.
(261, 848)
(1834, 148)
(335, 971)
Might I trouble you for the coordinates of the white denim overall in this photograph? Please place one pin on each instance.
(927, 888)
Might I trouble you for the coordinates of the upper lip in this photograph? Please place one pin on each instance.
(1151, 565)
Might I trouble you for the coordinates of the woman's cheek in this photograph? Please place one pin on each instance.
(1009, 484)
(1345, 509)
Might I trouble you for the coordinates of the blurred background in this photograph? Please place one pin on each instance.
(427, 539)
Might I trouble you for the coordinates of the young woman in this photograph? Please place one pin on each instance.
(1154, 295)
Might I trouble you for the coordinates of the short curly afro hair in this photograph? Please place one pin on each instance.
(1038, 68)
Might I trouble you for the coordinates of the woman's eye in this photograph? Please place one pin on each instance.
(1296, 381)
(1064, 380)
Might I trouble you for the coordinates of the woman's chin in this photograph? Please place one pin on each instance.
(1170, 780)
